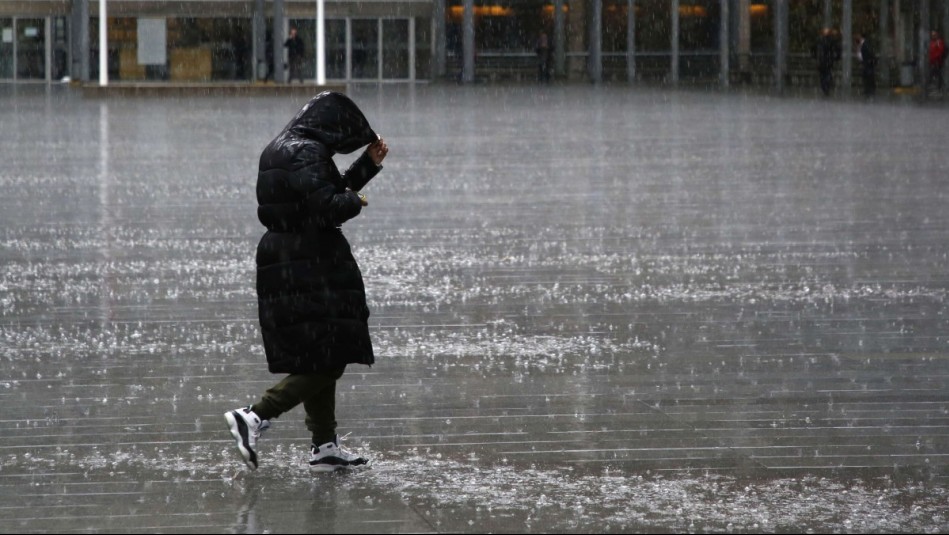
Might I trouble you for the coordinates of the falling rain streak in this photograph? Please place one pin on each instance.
(595, 309)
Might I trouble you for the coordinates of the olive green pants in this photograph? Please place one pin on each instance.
(316, 391)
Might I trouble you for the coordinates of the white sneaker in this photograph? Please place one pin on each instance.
(331, 457)
(246, 427)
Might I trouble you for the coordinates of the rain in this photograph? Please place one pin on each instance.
(637, 321)
(595, 308)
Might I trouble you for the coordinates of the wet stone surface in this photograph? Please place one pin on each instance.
(594, 309)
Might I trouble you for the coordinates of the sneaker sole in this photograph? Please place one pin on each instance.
(327, 468)
(238, 430)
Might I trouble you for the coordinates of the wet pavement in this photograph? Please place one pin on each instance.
(594, 309)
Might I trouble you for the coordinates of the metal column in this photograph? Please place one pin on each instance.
(846, 30)
(631, 40)
(744, 36)
(280, 73)
(945, 29)
(48, 49)
(560, 40)
(321, 43)
(412, 46)
(577, 45)
(596, 42)
(468, 43)
(259, 30)
(923, 50)
(103, 44)
(674, 67)
(79, 39)
(439, 45)
(884, 44)
(899, 49)
(781, 14)
(723, 42)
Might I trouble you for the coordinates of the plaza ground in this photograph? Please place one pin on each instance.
(594, 309)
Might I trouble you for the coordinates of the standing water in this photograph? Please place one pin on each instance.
(594, 309)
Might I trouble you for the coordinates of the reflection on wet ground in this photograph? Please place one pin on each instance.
(595, 309)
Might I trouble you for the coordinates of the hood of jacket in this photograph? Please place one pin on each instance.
(333, 120)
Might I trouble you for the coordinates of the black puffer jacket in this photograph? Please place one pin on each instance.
(311, 298)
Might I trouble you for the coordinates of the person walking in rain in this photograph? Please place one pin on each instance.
(826, 52)
(937, 56)
(311, 298)
(868, 61)
(295, 54)
(543, 58)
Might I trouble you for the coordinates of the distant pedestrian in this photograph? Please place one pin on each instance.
(295, 54)
(868, 61)
(826, 52)
(937, 57)
(310, 293)
(543, 58)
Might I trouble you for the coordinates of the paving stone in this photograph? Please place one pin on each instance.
(595, 309)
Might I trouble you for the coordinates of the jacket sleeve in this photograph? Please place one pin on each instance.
(322, 200)
(330, 208)
(361, 172)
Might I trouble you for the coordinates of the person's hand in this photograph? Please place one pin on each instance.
(362, 198)
(377, 151)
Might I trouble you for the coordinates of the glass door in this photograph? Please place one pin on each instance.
(6, 48)
(369, 49)
(335, 49)
(31, 49)
(60, 48)
(365, 49)
(395, 49)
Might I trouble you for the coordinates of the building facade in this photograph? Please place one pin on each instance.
(212, 40)
(713, 41)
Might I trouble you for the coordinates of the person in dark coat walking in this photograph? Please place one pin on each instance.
(311, 298)
(826, 52)
(543, 58)
(295, 54)
(868, 61)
